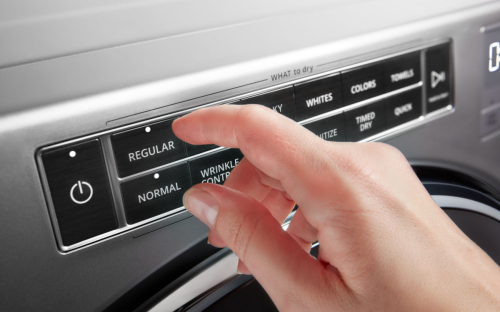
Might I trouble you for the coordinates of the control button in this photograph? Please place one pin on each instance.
(403, 107)
(155, 194)
(80, 191)
(363, 122)
(363, 83)
(214, 168)
(146, 147)
(198, 149)
(402, 71)
(329, 129)
(438, 77)
(89, 192)
(281, 101)
(318, 97)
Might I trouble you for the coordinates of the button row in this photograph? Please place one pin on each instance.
(151, 146)
(77, 175)
(366, 121)
(162, 191)
(313, 98)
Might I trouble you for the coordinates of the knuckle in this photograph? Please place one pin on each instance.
(368, 162)
(248, 115)
(240, 231)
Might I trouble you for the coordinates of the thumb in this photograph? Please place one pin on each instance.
(275, 259)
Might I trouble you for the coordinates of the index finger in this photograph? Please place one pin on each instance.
(273, 143)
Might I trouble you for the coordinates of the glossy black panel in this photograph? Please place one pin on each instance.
(156, 193)
(330, 129)
(198, 149)
(214, 168)
(403, 107)
(80, 191)
(402, 71)
(281, 101)
(250, 297)
(438, 77)
(365, 121)
(318, 97)
(146, 147)
(363, 83)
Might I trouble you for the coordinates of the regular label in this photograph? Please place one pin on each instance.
(146, 148)
(151, 151)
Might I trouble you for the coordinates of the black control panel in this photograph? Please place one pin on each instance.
(140, 172)
(80, 191)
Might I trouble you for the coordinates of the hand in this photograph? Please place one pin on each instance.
(384, 243)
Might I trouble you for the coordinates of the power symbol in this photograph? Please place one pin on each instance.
(80, 186)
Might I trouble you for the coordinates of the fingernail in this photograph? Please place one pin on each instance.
(203, 205)
(239, 272)
(208, 241)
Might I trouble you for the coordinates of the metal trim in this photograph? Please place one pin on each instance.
(466, 204)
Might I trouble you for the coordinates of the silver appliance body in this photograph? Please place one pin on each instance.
(96, 68)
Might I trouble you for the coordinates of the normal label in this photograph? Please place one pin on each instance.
(159, 192)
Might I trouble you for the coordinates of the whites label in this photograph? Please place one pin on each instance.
(363, 87)
(150, 151)
(158, 192)
(325, 98)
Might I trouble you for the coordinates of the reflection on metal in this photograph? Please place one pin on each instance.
(466, 204)
(218, 272)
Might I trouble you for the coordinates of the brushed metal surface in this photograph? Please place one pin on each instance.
(89, 91)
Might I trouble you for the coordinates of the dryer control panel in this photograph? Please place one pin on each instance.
(107, 183)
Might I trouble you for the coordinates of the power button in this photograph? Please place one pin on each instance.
(81, 186)
(80, 191)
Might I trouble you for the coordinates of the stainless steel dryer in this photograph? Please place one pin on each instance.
(92, 175)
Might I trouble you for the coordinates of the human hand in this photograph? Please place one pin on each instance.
(384, 243)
